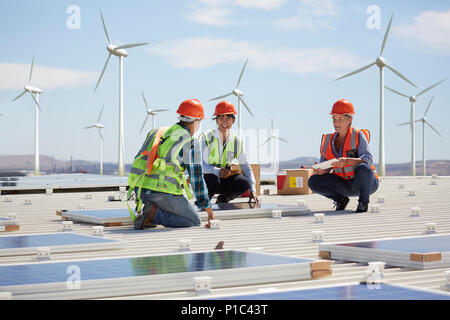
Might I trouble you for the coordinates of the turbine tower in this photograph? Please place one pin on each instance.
(34, 92)
(239, 94)
(121, 53)
(424, 121)
(273, 137)
(99, 127)
(381, 63)
(413, 100)
(150, 112)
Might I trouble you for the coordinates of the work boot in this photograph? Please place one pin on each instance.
(340, 205)
(146, 218)
(362, 207)
(222, 198)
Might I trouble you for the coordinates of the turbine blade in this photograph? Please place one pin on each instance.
(131, 45)
(224, 96)
(284, 140)
(19, 96)
(100, 115)
(265, 142)
(400, 75)
(31, 69)
(386, 36)
(246, 107)
(143, 125)
(356, 71)
(35, 100)
(404, 123)
(89, 127)
(271, 124)
(160, 110)
(429, 104)
(394, 91)
(103, 71)
(145, 100)
(429, 88)
(433, 128)
(104, 27)
(242, 72)
(100, 133)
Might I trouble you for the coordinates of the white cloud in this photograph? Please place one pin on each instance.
(220, 12)
(430, 28)
(210, 16)
(15, 76)
(198, 53)
(265, 5)
(310, 15)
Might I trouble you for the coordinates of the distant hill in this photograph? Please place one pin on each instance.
(17, 163)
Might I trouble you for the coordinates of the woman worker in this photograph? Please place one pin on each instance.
(353, 174)
(221, 148)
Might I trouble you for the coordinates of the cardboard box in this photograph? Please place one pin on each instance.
(293, 181)
(256, 170)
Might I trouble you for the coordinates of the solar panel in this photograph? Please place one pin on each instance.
(111, 217)
(149, 274)
(422, 252)
(347, 292)
(58, 242)
(62, 181)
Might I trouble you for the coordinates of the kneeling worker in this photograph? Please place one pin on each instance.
(353, 174)
(220, 148)
(157, 173)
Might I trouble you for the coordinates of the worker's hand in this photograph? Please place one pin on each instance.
(253, 197)
(210, 213)
(342, 162)
(320, 171)
(224, 173)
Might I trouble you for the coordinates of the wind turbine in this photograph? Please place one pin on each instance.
(413, 99)
(274, 137)
(424, 121)
(34, 92)
(239, 94)
(150, 112)
(121, 53)
(99, 127)
(381, 63)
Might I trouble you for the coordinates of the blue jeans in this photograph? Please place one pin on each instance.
(172, 210)
(333, 187)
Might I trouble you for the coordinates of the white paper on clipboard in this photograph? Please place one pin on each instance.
(325, 164)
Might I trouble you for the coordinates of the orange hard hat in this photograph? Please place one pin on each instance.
(224, 107)
(343, 106)
(191, 108)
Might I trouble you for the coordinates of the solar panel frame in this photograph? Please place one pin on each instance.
(147, 284)
(106, 244)
(394, 258)
(315, 293)
(124, 219)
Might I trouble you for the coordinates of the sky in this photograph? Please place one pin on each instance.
(197, 48)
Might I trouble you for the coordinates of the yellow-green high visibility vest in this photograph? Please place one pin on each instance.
(167, 173)
(232, 150)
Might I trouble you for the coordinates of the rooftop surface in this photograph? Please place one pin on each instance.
(289, 236)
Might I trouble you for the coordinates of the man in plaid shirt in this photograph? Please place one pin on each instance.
(166, 205)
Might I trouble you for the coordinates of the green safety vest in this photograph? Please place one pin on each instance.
(167, 173)
(232, 150)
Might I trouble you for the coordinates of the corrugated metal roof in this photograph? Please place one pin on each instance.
(290, 236)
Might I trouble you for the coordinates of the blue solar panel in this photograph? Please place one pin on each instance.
(247, 206)
(49, 240)
(108, 213)
(141, 266)
(413, 244)
(349, 292)
(61, 180)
